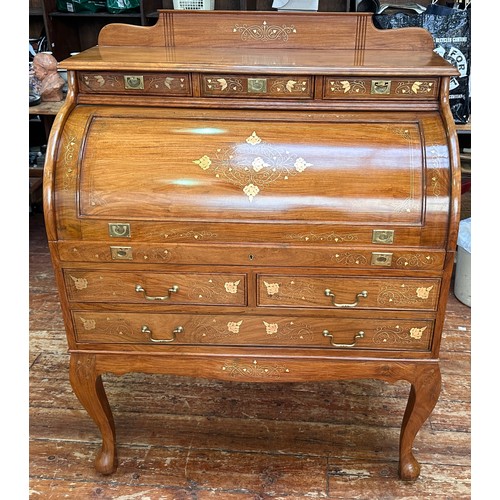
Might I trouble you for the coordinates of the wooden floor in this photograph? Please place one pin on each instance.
(182, 438)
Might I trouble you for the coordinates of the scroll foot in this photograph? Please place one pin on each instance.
(424, 393)
(88, 387)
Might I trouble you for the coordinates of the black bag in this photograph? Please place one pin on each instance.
(119, 6)
(81, 5)
(450, 29)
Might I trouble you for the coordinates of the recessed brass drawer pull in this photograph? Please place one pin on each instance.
(174, 289)
(175, 331)
(329, 293)
(381, 87)
(359, 335)
(257, 85)
(133, 82)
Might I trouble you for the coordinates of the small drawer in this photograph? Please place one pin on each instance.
(380, 88)
(276, 87)
(155, 288)
(344, 292)
(135, 83)
(239, 330)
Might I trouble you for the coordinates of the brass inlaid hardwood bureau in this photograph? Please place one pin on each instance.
(255, 196)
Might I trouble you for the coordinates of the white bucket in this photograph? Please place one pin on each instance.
(462, 288)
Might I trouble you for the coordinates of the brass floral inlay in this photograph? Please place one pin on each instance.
(99, 81)
(88, 324)
(266, 165)
(224, 84)
(153, 254)
(253, 139)
(264, 32)
(414, 87)
(423, 293)
(216, 330)
(289, 86)
(272, 288)
(416, 333)
(415, 260)
(232, 286)
(69, 157)
(333, 237)
(409, 204)
(196, 235)
(169, 82)
(290, 290)
(235, 369)
(434, 164)
(80, 283)
(348, 86)
(213, 289)
(350, 259)
(403, 294)
(271, 328)
(397, 335)
(289, 331)
(234, 327)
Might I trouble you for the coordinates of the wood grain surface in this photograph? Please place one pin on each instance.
(181, 437)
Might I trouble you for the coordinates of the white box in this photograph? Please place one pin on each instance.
(194, 4)
(295, 5)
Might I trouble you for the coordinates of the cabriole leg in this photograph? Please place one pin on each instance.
(88, 387)
(424, 393)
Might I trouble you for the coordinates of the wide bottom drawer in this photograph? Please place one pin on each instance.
(239, 330)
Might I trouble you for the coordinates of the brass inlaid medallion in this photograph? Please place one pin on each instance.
(269, 164)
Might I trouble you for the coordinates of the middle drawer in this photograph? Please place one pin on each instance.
(152, 287)
(340, 292)
(281, 87)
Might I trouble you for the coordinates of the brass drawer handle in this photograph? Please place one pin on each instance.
(359, 335)
(329, 293)
(140, 289)
(175, 331)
